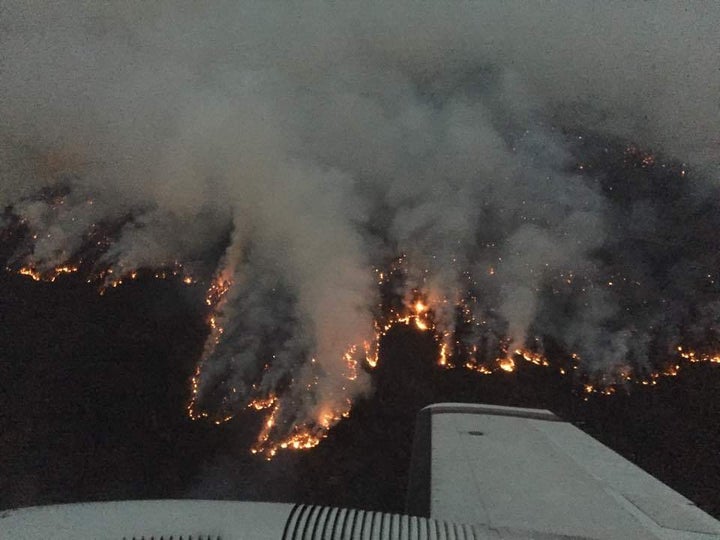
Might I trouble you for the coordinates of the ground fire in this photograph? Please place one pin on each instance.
(415, 311)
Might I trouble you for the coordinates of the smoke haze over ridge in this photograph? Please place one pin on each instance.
(329, 139)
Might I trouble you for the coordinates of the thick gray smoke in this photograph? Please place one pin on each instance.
(323, 139)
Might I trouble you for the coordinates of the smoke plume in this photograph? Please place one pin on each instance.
(540, 173)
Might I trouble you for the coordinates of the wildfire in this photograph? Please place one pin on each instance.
(49, 276)
(218, 289)
(31, 272)
(532, 357)
(265, 434)
(59, 270)
(443, 357)
(421, 310)
(506, 364)
(301, 441)
(695, 357)
(372, 352)
(301, 437)
(194, 390)
(416, 313)
(351, 363)
(609, 384)
(214, 296)
(112, 279)
(472, 365)
(260, 404)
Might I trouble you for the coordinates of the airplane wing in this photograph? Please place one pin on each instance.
(478, 472)
(222, 520)
(525, 474)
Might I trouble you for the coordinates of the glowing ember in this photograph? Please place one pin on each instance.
(351, 363)
(265, 434)
(300, 441)
(58, 270)
(260, 404)
(113, 278)
(372, 352)
(479, 368)
(214, 298)
(442, 359)
(301, 437)
(506, 364)
(50, 275)
(533, 358)
(194, 389)
(695, 357)
(31, 272)
(218, 289)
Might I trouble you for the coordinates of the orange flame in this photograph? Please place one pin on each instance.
(506, 364)
(31, 272)
(302, 437)
(532, 357)
(50, 276)
(218, 289)
(215, 294)
(260, 404)
(442, 359)
(695, 357)
(194, 391)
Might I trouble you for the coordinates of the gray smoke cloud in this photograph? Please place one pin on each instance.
(323, 139)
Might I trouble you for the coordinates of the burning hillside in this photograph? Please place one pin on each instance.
(486, 175)
(258, 364)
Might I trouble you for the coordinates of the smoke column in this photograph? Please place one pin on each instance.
(316, 143)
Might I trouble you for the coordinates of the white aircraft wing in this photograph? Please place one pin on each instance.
(523, 473)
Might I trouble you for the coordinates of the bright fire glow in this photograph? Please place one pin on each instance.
(50, 275)
(507, 364)
(532, 357)
(28, 271)
(443, 358)
(419, 311)
(301, 438)
(260, 404)
(214, 298)
(695, 357)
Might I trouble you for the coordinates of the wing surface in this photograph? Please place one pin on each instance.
(526, 472)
